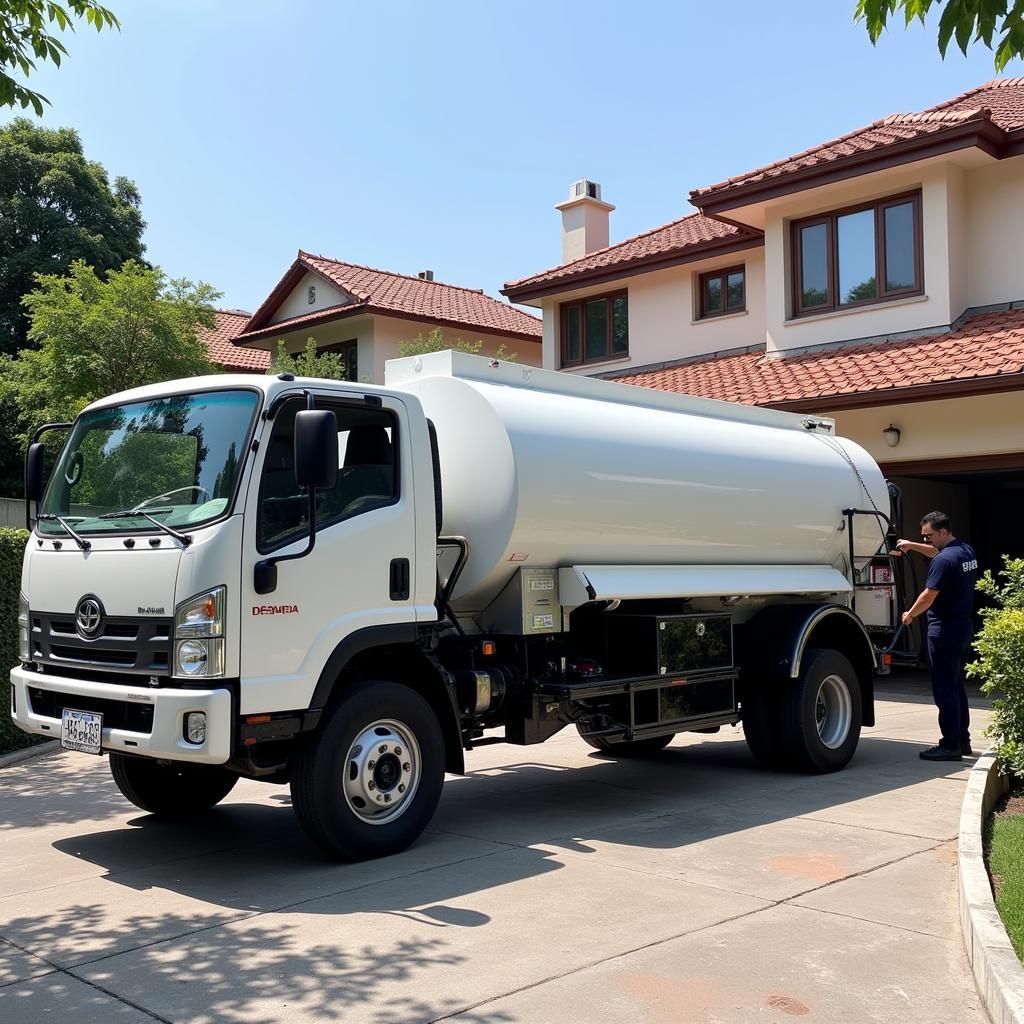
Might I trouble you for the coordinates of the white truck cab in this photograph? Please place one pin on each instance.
(342, 586)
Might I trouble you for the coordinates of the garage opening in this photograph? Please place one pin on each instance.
(983, 496)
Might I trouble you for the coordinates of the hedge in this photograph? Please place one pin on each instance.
(12, 548)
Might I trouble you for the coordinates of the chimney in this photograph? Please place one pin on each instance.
(584, 220)
(425, 275)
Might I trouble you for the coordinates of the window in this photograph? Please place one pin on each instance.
(722, 291)
(596, 329)
(857, 256)
(350, 351)
(367, 473)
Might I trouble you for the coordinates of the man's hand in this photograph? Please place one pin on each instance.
(906, 618)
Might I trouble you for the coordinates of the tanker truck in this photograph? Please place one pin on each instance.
(346, 587)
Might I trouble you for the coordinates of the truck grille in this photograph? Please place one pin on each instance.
(129, 645)
(117, 714)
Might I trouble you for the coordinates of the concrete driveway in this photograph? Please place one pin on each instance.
(556, 885)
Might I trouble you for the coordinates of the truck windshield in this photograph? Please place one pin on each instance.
(176, 459)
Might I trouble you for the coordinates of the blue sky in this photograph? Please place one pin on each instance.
(411, 135)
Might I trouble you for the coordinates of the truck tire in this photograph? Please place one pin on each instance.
(761, 725)
(367, 781)
(628, 748)
(820, 713)
(171, 790)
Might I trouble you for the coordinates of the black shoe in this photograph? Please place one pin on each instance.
(939, 753)
(965, 748)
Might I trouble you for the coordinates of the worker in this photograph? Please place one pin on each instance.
(948, 600)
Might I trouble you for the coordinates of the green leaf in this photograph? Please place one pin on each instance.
(947, 25)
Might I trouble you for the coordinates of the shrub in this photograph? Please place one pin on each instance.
(12, 548)
(1000, 664)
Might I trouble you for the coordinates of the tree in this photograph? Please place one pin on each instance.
(309, 362)
(56, 207)
(435, 342)
(96, 337)
(25, 38)
(968, 21)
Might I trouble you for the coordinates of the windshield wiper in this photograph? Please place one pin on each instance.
(53, 517)
(127, 513)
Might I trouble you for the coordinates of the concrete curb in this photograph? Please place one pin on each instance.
(998, 973)
(28, 753)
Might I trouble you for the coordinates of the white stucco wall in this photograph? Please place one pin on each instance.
(663, 324)
(360, 329)
(995, 232)
(297, 303)
(942, 221)
(948, 429)
(388, 333)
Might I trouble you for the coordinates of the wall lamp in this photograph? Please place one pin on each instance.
(892, 435)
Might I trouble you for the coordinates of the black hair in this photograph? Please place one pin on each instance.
(937, 521)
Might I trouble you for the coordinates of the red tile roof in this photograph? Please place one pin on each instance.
(386, 293)
(988, 345)
(996, 107)
(694, 233)
(221, 350)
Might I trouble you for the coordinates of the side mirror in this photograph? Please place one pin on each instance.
(316, 448)
(34, 472)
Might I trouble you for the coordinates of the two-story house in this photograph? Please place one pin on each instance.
(366, 314)
(877, 278)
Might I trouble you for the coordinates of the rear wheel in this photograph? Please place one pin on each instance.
(366, 783)
(761, 725)
(628, 748)
(171, 790)
(820, 713)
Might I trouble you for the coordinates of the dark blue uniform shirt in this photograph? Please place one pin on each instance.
(953, 572)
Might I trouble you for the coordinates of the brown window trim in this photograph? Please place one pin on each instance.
(578, 304)
(706, 314)
(832, 250)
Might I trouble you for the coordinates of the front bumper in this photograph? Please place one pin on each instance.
(169, 706)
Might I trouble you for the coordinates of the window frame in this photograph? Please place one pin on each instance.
(328, 402)
(579, 304)
(703, 313)
(830, 220)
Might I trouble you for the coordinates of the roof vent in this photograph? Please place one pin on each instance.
(426, 275)
(584, 188)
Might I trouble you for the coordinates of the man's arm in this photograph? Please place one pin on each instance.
(912, 545)
(924, 601)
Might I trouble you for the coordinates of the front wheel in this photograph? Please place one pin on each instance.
(366, 783)
(172, 790)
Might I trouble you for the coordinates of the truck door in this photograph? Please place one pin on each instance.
(358, 574)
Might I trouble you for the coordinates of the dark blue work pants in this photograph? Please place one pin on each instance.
(949, 645)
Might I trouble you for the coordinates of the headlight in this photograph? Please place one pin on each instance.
(199, 635)
(24, 651)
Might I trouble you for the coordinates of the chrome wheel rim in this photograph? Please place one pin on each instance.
(382, 772)
(833, 711)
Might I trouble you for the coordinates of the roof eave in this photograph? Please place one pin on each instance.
(631, 268)
(981, 134)
(957, 388)
(368, 309)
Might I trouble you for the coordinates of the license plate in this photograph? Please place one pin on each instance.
(81, 730)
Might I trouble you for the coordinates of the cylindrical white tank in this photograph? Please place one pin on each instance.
(548, 469)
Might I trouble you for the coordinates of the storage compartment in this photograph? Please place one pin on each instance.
(651, 645)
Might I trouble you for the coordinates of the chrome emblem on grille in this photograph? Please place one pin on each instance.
(89, 617)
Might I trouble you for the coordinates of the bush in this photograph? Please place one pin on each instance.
(12, 548)
(1000, 664)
